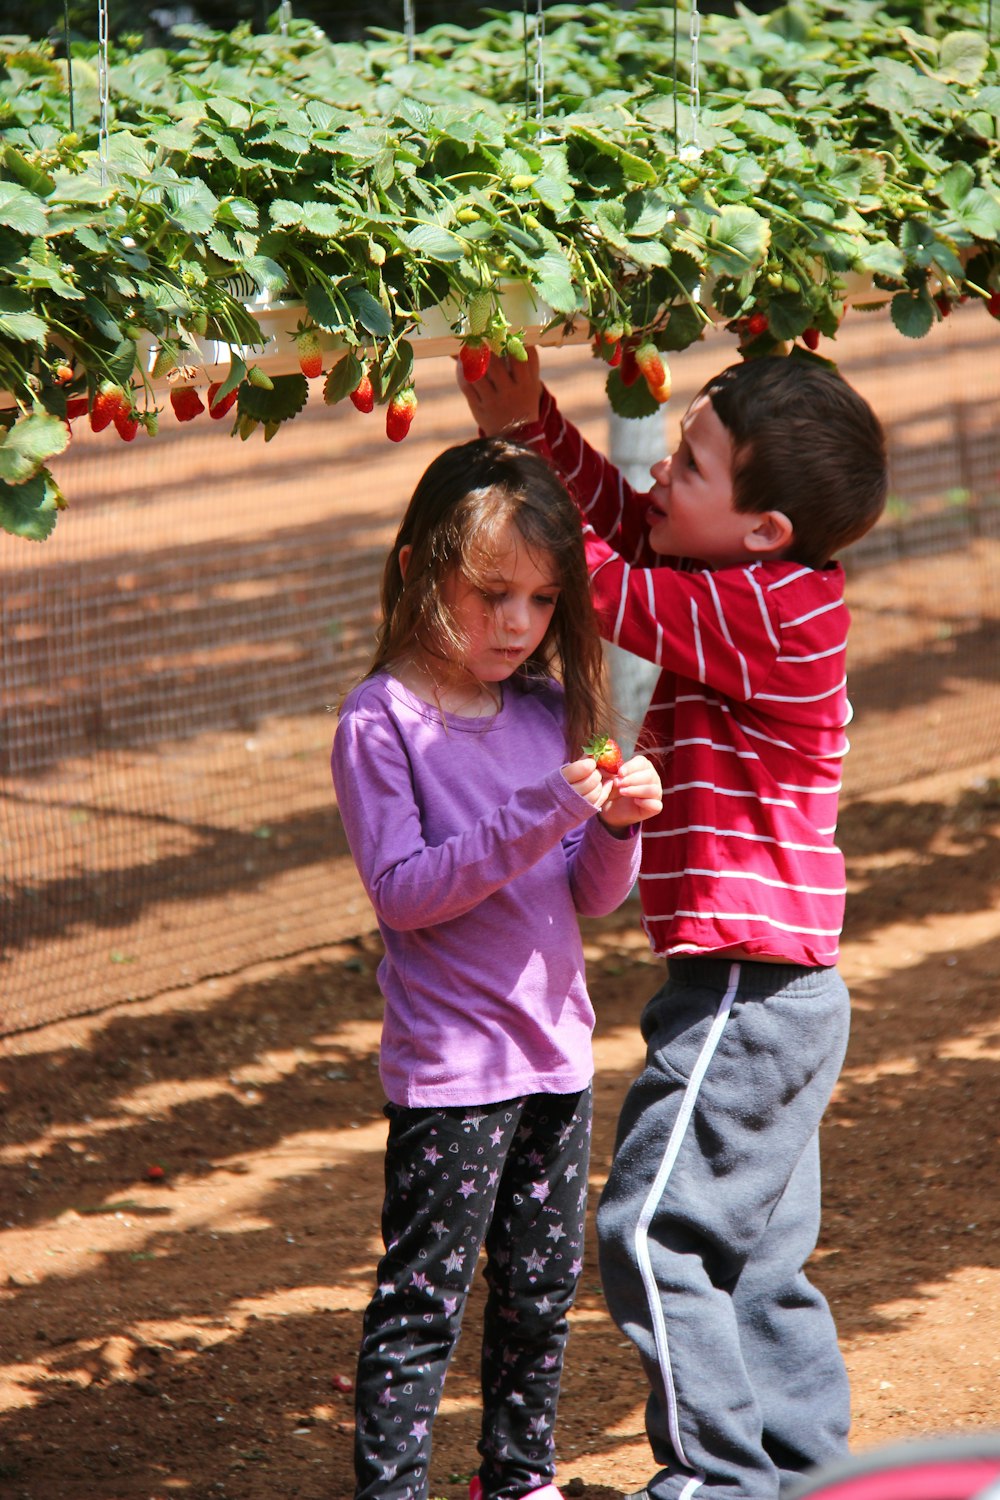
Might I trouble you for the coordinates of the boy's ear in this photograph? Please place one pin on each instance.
(404, 559)
(771, 534)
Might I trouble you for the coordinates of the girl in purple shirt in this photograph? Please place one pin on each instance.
(480, 831)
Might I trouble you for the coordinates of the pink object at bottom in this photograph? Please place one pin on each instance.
(547, 1492)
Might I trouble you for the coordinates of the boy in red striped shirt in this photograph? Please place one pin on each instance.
(723, 575)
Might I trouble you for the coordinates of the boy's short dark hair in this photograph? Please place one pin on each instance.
(805, 443)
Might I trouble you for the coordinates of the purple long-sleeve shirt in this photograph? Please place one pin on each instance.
(477, 856)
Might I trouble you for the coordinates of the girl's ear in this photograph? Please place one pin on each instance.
(771, 535)
(404, 559)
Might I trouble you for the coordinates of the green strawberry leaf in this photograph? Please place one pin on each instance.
(30, 510)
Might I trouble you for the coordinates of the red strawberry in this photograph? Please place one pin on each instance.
(76, 406)
(651, 365)
(630, 371)
(756, 324)
(811, 338)
(108, 402)
(216, 408)
(943, 303)
(993, 305)
(362, 395)
(63, 374)
(606, 752)
(308, 349)
(187, 404)
(400, 414)
(608, 346)
(127, 423)
(475, 358)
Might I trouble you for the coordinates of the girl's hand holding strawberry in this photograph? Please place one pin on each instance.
(584, 777)
(632, 795)
(636, 794)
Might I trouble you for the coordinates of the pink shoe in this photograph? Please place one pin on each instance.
(547, 1492)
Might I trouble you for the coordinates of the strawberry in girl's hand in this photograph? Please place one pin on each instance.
(108, 402)
(363, 395)
(475, 359)
(606, 752)
(217, 408)
(187, 404)
(400, 414)
(307, 347)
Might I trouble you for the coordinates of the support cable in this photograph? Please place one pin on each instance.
(409, 27)
(102, 87)
(69, 65)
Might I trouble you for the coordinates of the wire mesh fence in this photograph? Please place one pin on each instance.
(172, 658)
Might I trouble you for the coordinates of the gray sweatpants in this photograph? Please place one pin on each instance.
(710, 1211)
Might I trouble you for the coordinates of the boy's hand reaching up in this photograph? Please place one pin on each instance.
(509, 394)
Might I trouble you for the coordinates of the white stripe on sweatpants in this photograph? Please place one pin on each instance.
(674, 1143)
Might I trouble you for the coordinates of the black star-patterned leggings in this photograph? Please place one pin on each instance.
(511, 1177)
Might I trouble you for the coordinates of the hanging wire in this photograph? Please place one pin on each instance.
(409, 27)
(69, 65)
(540, 63)
(677, 141)
(692, 145)
(102, 86)
(534, 73)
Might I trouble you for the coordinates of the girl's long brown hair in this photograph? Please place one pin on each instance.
(459, 510)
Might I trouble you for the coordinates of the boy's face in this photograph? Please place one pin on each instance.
(691, 514)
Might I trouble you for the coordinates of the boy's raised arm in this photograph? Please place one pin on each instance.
(511, 400)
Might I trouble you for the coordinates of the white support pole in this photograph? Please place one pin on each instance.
(634, 445)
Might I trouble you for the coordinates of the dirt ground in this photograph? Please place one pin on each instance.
(191, 1188)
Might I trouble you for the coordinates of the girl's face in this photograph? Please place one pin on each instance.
(505, 614)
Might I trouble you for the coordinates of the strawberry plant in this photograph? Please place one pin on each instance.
(370, 195)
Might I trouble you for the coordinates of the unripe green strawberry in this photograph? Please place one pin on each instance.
(516, 349)
(108, 402)
(400, 414)
(164, 360)
(474, 357)
(363, 395)
(651, 366)
(260, 378)
(216, 408)
(187, 404)
(480, 308)
(307, 347)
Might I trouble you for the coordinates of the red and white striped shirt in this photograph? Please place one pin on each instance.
(746, 725)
